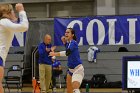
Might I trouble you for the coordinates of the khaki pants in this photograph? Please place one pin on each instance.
(45, 75)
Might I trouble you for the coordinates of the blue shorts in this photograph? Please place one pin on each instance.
(70, 73)
(1, 62)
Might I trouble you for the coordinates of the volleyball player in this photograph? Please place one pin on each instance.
(75, 71)
(7, 29)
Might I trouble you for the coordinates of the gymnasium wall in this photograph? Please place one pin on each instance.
(41, 13)
(109, 60)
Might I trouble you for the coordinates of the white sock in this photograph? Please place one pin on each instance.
(76, 91)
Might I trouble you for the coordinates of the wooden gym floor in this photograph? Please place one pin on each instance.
(63, 90)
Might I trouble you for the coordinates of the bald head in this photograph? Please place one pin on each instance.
(47, 39)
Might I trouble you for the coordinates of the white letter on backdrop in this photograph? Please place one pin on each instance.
(72, 23)
(101, 32)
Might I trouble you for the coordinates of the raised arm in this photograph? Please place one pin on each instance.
(63, 39)
(17, 27)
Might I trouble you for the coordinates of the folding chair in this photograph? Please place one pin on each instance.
(14, 77)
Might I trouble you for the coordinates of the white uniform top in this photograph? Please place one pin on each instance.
(7, 29)
(92, 52)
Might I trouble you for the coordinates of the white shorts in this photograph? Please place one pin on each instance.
(78, 74)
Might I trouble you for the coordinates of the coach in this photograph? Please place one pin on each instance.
(45, 62)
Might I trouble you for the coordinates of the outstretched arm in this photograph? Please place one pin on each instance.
(61, 53)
